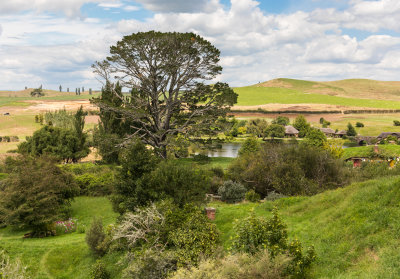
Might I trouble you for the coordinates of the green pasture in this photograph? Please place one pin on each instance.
(355, 230)
(388, 150)
(222, 162)
(252, 96)
(65, 256)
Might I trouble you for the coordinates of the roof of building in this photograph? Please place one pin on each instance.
(342, 132)
(290, 130)
(386, 134)
(327, 130)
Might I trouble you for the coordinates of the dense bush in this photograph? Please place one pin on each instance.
(151, 264)
(99, 271)
(396, 122)
(196, 237)
(315, 137)
(359, 125)
(281, 120)
(252, 196)
(136, 160)
(232, 192)
(35, 194)
(92, 184)
(250, 145)
(96, 237)
(243, 266)
(301, 124)
(290, 170)
(183, 184)
(351, 132)
(256, 233)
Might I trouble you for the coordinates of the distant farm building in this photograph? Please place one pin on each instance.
(341, 134)
(328, 132)
(291, 131)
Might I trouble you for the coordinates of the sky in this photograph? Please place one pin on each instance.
(53, 42)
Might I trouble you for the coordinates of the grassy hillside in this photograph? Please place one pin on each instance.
(65, 256)
(348, 93)
(367, 151)
(355, 230)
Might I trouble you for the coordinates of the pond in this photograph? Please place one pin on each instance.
(228, 150)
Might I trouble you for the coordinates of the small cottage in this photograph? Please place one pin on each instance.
(291, 131)
(328, 132)
(340, 134)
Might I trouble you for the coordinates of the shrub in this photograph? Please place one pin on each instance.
(95, 184)
(252, 196)
(232, 191)
(351, 132)
(195, 238)
(396, 122)
(64, 227)
(35, 194)
(255, 233)
(96, 237)
(99, 271)
(281, 120)
(315, 137)
(201, 159)
(183, 184)
(289, 170)
(359, 125)
(250, 145)
(151, 264)
(243, 266)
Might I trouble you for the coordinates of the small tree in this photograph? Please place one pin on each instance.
(275, 131)
(60, 87)
(96, 236)
(38, 92)
(301, 124)
(315, 137)
(281, 120)
(35, 193)
(250, 145)
(396, 122)
(351, 132)
(359, 125)
(67, 89)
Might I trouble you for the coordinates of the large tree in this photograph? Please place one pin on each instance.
(166, 73)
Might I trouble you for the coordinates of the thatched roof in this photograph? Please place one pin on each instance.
(342, 132)
(386, 134)
(290, 130)
(327, 130)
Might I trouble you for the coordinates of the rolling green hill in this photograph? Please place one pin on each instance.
(344, 93)
(355, 230)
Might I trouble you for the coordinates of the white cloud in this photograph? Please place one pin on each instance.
(255, 46)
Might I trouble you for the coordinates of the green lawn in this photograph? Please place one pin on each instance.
(65, 256)
(251, 96)
(222, 162)
(355, 230)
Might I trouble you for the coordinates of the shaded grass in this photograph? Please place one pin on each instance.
(222, 162)
(355, 229)
(65, 256)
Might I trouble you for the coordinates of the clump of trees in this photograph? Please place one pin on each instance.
(38, 92)
(290, 170)
(35, 194)
(68, 144)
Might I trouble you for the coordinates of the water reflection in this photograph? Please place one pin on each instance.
(228, 150)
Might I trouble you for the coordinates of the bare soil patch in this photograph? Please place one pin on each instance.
(299, 107)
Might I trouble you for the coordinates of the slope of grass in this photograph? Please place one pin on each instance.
(65, 256)
(368, 151)
(251, 96)
(355, 230)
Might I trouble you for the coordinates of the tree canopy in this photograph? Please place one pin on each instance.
(166, 74)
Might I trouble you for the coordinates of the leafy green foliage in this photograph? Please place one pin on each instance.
(171, 97)
(99, 271)
(252, 196)
(301, 124)
(257, 127)
(281, 120)
(396, 122)
(136, 160)
(351, 132)
(60, 118)
(250, 145)
(275, 131)
(315, 137)
(96, 237)
(289, 170)
(36, 193)
(232, 192)
(359, 125)
(196, 237)
(255, 233)
(38, 92)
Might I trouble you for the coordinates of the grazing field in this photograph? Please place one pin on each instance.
(355, 230)
(368, 151)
